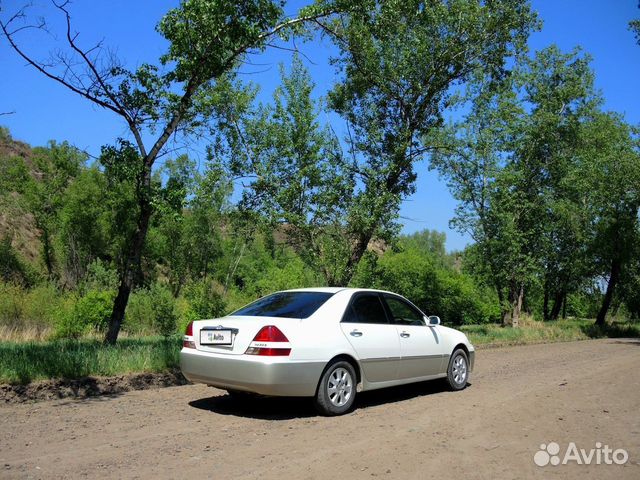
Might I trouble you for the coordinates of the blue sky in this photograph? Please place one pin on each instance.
(45, 110)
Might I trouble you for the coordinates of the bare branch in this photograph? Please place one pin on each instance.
(45, 68)
(293, 50)
(7, 113)
(98, 77)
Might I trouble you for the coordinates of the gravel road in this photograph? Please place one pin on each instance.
(519, 398)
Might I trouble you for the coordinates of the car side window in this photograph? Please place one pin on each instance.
(365, 308)
(403, 313)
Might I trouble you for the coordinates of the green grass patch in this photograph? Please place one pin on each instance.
(531, 332)
(23, 362)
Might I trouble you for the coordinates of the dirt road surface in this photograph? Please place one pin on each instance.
(519, 398)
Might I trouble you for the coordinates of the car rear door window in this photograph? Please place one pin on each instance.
(365, 308)
(403, 313)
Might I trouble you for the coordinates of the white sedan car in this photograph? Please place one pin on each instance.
(326, 343)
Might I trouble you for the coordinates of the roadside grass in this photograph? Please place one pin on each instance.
(532, 331)
(24, 362)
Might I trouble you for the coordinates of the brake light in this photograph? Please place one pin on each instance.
(271, 334)
(187, 340)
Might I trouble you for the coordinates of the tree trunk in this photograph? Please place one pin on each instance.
(608, 296)
(359, 247)
(132, 263)
(545, 303)
(516, 295)
(46, 252)
(557, 305)
(564, 306)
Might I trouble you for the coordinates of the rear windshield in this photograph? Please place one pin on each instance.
(285, 305)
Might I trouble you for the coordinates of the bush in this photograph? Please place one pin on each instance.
(204, 299)
(139, 316)
(293, 274)
(12, 268)
(101, 277)
(42, 305)
(12, 301)
(460, 301)
(436, 290)
(164, 311)
(91, 312)
(151, 310)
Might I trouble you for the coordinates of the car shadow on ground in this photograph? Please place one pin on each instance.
(287, 408)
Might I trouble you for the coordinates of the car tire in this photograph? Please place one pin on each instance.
(458, 370)
(337, 389)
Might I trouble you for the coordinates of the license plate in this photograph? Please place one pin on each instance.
(215, 337)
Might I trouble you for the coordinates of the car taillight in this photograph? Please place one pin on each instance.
(187, 340)
(270, 334)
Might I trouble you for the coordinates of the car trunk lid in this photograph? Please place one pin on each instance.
(233, 335)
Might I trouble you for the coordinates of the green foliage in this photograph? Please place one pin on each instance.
(152, 310)
(164, 310)
(14, 174)
(55, 166)
(5, 134)
(634, 26)
(90, 312)
(303, 185)
(531, 332)
(12, 267)
(11, 304)
(101, 276)
(205, 299)
(204, 35)
(437, 289)
(401, 61)
(294, 273)
(516, 166)
(84, 228)
(36, 309)
(547, 182)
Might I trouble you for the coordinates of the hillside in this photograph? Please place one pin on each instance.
(15, 221)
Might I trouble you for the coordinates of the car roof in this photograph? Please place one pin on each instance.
(336, 290)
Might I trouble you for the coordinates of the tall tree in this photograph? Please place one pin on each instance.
(207, 40)
(610, 175)
(471, 159)
(401, 63)
(508, 162)
(54, 168)
(300, 181)
(559, 96)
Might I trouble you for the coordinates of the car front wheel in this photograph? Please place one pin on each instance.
(337, 389)
(458, 371)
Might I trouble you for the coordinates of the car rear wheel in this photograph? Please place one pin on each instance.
(337, 389)
(458, 370)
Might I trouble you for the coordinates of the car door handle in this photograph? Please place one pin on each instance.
(355, 333)
(405, 335)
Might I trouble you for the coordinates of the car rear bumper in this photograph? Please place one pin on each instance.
(472, 360)
(263, 375)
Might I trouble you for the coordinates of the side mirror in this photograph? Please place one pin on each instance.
(433, 320)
